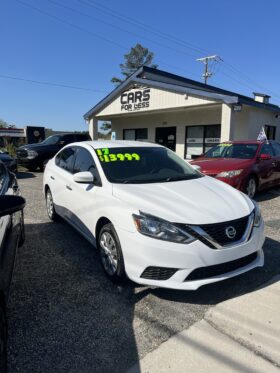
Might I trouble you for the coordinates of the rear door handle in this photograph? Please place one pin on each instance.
(68, 187)
(52, 178)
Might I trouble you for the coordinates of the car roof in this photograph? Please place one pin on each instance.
(244, 142)
(119, 144)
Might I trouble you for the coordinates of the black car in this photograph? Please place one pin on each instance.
(10, 162)
(33, 156)
(11, 236)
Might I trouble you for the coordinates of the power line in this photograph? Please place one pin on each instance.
(205, 60)
(117, 27)
(113, 13)
(131, 20)
(51, 84)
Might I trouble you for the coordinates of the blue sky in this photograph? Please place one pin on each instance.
(35, 45)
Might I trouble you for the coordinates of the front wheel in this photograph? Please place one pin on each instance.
(111, 256)
(50, 206)
(251, 187)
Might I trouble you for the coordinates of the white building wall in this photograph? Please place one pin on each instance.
(179, 119)
(258, 119)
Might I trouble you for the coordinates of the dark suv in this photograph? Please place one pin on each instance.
(33, 156)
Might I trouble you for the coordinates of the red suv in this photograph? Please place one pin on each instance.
(246, 165)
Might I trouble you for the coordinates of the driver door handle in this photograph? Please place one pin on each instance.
(68, 187)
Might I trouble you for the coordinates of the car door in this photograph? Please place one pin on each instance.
(87, 198)
(60, 179)
(276, 148)
(266, 167)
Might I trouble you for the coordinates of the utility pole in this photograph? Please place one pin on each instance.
(207, 73)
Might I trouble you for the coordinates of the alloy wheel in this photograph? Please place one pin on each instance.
(109, 256)
(251, 188)
(49, 202)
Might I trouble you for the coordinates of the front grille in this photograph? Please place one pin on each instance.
(220, 269)
(158, 273)
(21, 153)
(218, 231)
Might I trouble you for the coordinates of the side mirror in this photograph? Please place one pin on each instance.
(10, 204)
(62, 142)
(196, 167)
(265, 157)
(84, 177)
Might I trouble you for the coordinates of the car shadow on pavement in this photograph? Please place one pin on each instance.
(64, 314)
(268, 195)
(25, 175)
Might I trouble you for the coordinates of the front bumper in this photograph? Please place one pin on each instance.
(141, 252)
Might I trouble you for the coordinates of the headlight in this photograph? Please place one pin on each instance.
(229, 173)
(258, 216)
(162, 230)
(31, 154)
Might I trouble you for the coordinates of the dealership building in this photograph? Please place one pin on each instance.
(187, 116)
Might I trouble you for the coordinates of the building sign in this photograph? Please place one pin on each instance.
(135, 99)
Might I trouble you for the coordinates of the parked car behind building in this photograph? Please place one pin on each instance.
(11, 236)
(37, 155)
(246, 165)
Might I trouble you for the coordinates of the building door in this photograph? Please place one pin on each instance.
(166, 136)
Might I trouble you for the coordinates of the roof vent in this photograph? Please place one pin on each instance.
(260, 97)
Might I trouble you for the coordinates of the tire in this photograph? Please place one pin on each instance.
(251, 187)
(3, 340)
(110, 252)
(50, 206)
(22, 231)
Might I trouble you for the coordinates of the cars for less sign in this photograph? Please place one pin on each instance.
(135, 99)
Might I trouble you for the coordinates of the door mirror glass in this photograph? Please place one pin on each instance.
(10, 204)
(265, 157)
(84, 177)
(61, 142)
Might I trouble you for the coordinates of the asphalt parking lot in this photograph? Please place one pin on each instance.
(65, 316)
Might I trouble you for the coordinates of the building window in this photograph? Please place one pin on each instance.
(199, 139)
(270, 132)
(139, 134)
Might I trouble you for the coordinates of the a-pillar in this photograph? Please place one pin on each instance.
(227, 123)
(93, 128)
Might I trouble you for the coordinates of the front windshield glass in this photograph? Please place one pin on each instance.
(227, 150)
(138, 165)
(51, 140)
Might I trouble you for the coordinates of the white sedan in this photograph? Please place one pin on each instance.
(153, 217)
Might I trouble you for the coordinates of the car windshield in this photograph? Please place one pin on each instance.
(227, 150)
(139, 165)
(51, 140)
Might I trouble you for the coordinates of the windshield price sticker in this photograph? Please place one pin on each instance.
(224, 145)
(105, 156)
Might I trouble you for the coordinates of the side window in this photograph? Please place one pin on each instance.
(3, 175)
(267, 149)
(82, 137)
(65, 159)
(276, 148)
(85, 162)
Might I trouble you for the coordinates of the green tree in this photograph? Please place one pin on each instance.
(137, 57)
(4, 124)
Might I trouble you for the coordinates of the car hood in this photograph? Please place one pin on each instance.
(34, 147)
(222, 164)
(198, 201)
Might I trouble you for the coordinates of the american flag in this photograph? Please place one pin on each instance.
(262, 135)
